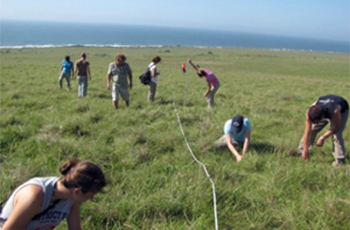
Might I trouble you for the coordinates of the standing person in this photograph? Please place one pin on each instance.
(331, 109)
(237, 133)
(42, 203)
(82, 71)
(65, 72)
(119, 71)
(154, 78)
(212, 81)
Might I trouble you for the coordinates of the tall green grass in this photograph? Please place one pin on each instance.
(154, 182)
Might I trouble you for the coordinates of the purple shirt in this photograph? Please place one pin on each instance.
(211, 78)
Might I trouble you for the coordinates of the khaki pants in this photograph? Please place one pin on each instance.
(152, 91)
(221, 143)
(338, 142)
(119, 90)
(210, 96)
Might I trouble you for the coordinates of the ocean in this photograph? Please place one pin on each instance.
(22, 34)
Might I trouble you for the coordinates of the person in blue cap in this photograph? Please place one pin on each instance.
(236, 136)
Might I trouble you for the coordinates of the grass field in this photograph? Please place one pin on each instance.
(154, 182)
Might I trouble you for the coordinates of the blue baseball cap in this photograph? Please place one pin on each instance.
(237, 123)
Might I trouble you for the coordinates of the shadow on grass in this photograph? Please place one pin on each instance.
(102, 96)
(264, 148)
(260, 148)
(163, 101)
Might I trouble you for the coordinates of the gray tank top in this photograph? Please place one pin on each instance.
(52, 217)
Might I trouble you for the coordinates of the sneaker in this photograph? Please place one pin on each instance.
(338, 162)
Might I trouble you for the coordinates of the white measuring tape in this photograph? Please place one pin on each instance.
(195, 158)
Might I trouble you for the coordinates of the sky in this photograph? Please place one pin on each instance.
(322, 19)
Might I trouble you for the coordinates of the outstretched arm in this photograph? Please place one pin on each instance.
(73, 219)
(306, 138)
(208, 90)
(232, 148)
(193, 65)
(246, 142)
(336, 123)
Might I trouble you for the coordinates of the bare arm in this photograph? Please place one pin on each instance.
(154, 72)
(88, 71)
(76, 69)
(108, 78)
(73, 219)
(336, 123)
(27, 204)
(232, 148)
(208, 90)
(335, 126)
(306, 137)
(246, 142)
(60, 71)
(193, 65)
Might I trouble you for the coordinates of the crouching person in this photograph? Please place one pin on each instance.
(331, 109)
(43, 202)
(236, 136)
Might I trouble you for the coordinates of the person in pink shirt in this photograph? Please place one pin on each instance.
(212, 80)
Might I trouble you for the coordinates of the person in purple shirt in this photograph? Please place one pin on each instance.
(212, 81)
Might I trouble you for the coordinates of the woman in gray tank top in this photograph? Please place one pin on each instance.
(42, 203)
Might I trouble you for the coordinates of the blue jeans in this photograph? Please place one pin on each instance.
(82, 87)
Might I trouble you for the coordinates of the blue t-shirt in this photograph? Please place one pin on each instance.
(237, 136)
(67, 66)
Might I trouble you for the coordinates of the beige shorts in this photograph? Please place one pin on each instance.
(122, 91)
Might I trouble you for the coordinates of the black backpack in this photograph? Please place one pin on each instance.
(146, 77)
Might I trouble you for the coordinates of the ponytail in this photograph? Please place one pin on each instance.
(66, 166)
(156, 59)
(82, 174)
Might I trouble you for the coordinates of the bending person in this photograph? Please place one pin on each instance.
(212, 81)
(42, 203)
(236, 136)
(331, 109)
(118, 72)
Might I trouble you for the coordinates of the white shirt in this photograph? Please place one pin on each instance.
(152, 66)
(52, 217)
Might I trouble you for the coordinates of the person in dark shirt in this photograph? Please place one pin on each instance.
(82, 71)
(331, 109)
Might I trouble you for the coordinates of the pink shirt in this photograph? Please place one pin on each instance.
(211, 78)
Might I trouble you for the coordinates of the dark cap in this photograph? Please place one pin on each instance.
(83, 55)
(237, 123)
